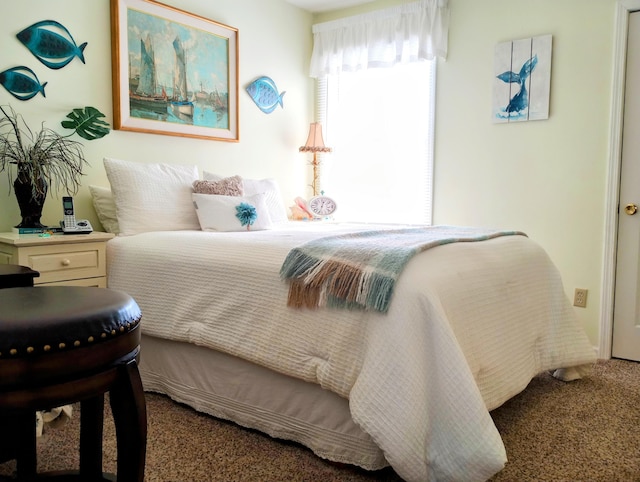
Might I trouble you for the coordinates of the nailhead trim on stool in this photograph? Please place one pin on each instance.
(31, 350)
(82, 318)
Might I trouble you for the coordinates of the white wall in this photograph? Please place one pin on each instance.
(274, 40)
(547, 178)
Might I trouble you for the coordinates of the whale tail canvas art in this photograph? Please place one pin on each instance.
(523, 78)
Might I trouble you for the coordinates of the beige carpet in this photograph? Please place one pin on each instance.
(587, 430)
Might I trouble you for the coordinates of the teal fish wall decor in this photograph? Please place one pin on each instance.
(51, 43)
(264, 93)
(22, 83)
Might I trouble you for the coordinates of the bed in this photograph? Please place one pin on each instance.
(468, 326)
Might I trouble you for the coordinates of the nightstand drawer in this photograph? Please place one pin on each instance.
(45, 263)
(65, 262)
(69, 259)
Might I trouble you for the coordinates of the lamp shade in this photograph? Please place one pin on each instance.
(315, 142)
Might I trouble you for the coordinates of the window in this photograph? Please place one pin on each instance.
(380, 124)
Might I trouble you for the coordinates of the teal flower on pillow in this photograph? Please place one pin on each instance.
(247, 214)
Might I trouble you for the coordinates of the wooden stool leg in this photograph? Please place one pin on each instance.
(26, 459)
(129, 410)
(91, 429)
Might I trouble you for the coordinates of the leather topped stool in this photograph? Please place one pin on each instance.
(12, 276)
(64, 344)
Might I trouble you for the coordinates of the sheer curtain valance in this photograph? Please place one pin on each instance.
(406, 33)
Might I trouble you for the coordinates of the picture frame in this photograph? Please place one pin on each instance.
(174, 72)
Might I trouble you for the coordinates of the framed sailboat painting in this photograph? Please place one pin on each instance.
(174, 72)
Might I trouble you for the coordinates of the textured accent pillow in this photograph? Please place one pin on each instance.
(221, 213)
(152, 197)
(269, 186)
(229, 186)
(105, 207)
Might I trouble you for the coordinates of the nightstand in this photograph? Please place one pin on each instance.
(61, 259)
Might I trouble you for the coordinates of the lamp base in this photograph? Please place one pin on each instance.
(315, 163)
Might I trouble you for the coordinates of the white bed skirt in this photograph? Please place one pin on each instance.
(233, 389)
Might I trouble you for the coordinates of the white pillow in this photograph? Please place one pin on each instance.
(105, 207)
(220, 213)
(152, 197)
(277, 210)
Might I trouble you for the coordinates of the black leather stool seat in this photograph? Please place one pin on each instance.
(64, 344)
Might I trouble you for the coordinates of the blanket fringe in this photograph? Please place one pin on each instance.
(325, 279)
(337, 283)
(301, 297)
(341, 280)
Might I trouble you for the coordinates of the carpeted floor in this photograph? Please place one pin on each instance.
(587, 430)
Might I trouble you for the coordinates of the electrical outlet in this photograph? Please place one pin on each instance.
(580, 298)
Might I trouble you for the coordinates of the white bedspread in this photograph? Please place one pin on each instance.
(468, 327)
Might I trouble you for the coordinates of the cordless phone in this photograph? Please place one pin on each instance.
(69, 214)
(69, 224)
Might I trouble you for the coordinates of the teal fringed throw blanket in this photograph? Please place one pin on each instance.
(359, 270)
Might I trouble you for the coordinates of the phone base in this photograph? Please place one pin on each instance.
(82, 226)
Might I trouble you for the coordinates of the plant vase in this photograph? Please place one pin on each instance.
(43, 159)
(30, 199)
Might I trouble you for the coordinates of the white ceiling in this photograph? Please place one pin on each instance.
(325, 5)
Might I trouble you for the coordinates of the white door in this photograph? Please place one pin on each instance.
(626, 314)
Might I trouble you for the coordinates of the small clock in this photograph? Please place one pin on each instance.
(322, 206)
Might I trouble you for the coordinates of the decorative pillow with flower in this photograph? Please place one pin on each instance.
(269, 186)
(232, 213)
(229, 186)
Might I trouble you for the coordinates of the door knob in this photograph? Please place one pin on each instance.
(631, 209)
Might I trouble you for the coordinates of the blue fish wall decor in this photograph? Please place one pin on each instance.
(20, 85)
(45, 42)
(264, 93)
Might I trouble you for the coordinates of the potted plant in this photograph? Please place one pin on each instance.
(37, 161)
